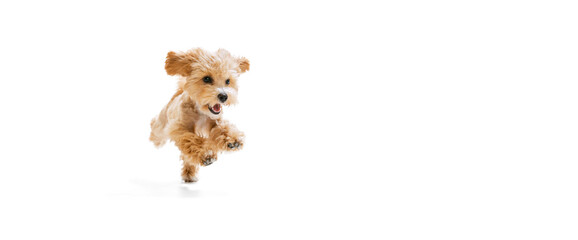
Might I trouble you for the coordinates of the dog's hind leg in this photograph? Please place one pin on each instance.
(189, 171)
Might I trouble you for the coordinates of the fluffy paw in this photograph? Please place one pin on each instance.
(190, 179)
(189, 171)
(208, 161)
(234, 144)
(209, 158)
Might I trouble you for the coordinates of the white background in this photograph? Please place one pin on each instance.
(364, 120)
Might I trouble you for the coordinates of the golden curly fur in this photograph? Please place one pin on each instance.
(192, 118)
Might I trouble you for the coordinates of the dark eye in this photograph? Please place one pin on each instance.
(227, 82)
(207, 79)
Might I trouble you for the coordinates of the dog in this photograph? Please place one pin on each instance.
(193, 117)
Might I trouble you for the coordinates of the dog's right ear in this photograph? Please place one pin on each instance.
(178, 64)
(243, 64)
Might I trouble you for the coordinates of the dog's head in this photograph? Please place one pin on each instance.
(209, 78)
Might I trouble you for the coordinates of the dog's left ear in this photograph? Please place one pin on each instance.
(179, 64)
(243, 64)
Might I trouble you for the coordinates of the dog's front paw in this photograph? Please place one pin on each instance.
(208, 158)
(209, 161)
(234, 143)
(227, 139)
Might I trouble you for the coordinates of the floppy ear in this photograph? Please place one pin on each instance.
(178, 63)
(243, 64)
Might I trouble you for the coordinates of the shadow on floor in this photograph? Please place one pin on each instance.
(166, 189)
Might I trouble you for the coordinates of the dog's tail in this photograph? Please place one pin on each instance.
(159, 135)
(157, 132)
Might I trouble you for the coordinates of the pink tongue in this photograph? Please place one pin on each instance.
(217, 108)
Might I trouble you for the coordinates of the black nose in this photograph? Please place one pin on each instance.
(223, 97)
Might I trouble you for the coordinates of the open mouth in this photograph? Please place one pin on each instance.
(215, 109)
